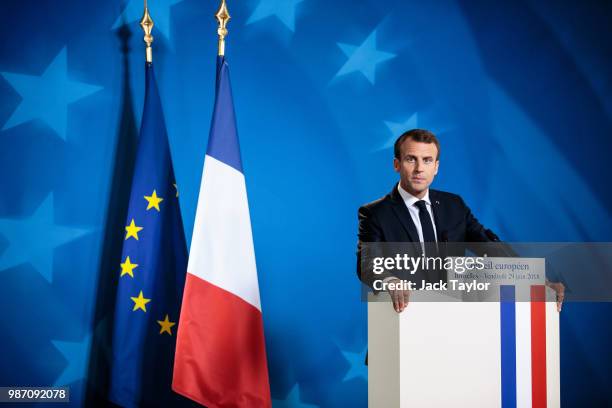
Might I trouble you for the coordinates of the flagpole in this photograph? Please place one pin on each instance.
(223, 18)
(147, 26)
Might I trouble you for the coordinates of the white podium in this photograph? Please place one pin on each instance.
(446, 353)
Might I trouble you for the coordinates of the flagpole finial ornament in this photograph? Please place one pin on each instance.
(223, 18)
(147, 26)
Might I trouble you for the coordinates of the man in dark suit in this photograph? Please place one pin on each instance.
(413, 212)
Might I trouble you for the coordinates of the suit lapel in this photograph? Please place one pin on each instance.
(399, 207)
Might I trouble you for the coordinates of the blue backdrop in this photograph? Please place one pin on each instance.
(519, 93)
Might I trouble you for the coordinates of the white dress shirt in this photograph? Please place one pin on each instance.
(410, 202)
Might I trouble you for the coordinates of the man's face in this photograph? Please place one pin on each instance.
(417, 166)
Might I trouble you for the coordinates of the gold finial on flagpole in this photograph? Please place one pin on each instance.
(147, 26)
(222, 17)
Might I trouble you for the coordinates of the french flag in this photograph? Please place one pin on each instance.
(220, 356)
(529, 334)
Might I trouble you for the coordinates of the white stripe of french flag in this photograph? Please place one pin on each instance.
(220, 356)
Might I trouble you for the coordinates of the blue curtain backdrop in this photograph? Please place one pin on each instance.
(519, 93)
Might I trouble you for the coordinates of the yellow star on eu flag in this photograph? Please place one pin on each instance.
(127, 267)
(140, 302)
(132, 230)
(153, 201)
(166, 324)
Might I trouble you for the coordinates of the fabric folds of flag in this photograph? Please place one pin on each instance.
(220, 353)
(152, 271)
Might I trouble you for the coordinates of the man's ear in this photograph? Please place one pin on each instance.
(437, 166)
(396, 164)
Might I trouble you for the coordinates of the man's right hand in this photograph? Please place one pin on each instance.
(399, 297)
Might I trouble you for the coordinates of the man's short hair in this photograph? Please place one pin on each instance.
(417, 135)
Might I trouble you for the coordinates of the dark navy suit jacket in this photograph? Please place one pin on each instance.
(388, 220)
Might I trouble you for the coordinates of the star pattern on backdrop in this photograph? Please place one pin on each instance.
(47, 96)
(293, 400)
(33, 239)
(357, 368)
(363, 58)
(77, 356)
(160, 13)
(396, 129)
(284, 10)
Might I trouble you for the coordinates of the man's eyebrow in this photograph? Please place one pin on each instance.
(414, 156)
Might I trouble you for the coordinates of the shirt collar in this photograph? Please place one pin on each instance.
(409, 199)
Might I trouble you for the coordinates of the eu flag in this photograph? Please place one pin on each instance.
(152, 270)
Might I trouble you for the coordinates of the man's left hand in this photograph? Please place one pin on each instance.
(559, 288)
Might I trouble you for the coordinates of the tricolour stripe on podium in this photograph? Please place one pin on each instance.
(528, 358)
